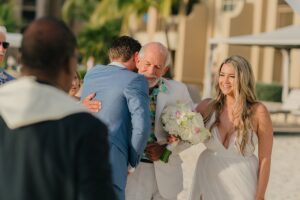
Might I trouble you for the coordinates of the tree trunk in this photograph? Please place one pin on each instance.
(151, 22)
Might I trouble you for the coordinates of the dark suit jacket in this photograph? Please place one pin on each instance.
(55, 160)
(50, 147)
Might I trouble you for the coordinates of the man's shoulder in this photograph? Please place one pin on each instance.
(130, 76)
(113, 70)
(5, 77)
(77, 125)
(173, 84)
(98, 67)
(83, 119)
(172, 81)
(82, 124)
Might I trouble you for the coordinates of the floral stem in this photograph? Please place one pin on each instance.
(165, 155)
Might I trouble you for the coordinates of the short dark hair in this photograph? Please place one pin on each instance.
(47, 45)
(124, 47)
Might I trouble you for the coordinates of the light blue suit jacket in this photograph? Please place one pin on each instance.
(125, 110)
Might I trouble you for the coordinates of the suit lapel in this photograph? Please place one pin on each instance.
(162, 99)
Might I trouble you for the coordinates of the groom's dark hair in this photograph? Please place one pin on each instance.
(124, 47)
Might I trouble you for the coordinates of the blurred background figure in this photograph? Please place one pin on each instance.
(90, 62)
(76, 83)
(93, 105)
(4, 76)
(12, 67)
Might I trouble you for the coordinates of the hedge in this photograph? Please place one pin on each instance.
(269, 92)
(82, 73)
(264, 91)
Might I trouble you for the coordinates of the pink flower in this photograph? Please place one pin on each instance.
(197, 130)
(178, 114)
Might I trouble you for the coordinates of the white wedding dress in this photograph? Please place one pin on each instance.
(224, 174)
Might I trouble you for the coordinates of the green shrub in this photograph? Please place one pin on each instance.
(268, 92)
(94, 41)
(82, 73)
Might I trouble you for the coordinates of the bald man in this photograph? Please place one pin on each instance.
(154, 179)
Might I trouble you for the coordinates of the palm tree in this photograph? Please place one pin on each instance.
(127, 8)
(98, 15)
(6, 15)
(93, 41)
(78, 10)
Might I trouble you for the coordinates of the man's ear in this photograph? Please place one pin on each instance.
(69, 66)
(165, 70)
(136, 57)
(137, 60)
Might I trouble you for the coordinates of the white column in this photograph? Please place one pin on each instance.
(41, 6)
(286, 72)
(208, 73)
(151, 22)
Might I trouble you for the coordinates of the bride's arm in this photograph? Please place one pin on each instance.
(265, 142)
(202, 107)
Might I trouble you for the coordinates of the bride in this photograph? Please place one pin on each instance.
(228, 168)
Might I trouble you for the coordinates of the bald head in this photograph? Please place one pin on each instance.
(158, 50)
(153, 62)
(47, 46)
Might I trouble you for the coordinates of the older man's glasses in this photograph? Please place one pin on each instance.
(5, 45)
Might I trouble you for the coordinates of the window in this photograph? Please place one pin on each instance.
(229, 5)
(28, 10)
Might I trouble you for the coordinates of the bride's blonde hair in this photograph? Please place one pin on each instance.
(244, 99)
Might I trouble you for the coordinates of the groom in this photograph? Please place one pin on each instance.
(124, 95)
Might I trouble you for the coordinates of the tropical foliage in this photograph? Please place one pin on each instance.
(78, 10)
(269, 91)
(6, 15)
(93, 41)
(105, 19)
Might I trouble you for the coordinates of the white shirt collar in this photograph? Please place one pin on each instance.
(117, 64)
(25, 101)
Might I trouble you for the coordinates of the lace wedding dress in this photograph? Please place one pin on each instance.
(223, 173)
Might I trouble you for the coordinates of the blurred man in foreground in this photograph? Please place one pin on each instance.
(50, 147)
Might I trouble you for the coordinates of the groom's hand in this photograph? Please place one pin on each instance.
(154, 151)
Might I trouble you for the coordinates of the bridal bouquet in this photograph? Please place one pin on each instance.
(188, 126)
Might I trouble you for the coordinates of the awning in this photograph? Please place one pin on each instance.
(14, 39)
(284, 38)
